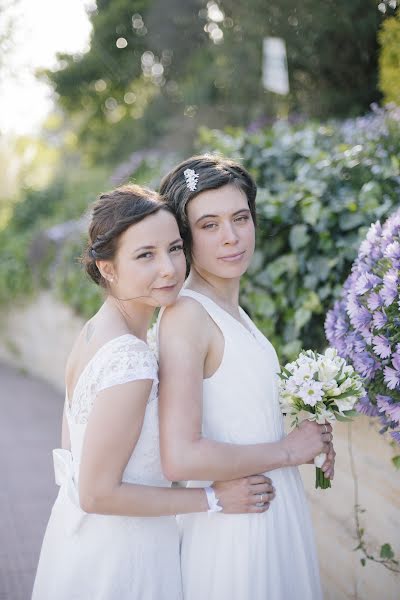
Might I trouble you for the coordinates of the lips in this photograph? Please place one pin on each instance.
(232, 257)
(166, 288)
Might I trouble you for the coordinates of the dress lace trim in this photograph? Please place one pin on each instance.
(123, 359)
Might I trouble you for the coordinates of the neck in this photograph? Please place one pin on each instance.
(135, 315)
(224, 291)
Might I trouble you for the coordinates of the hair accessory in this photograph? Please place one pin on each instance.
(191, 179)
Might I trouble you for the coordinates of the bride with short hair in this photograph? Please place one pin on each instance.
(219, 409)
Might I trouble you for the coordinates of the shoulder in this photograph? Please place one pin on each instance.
(127, 358)
(186, 319)
(185, 313)
(127, 346)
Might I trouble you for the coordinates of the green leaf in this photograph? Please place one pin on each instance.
(342, 418)
(396, 461)
(349, 221)
(301, 317)
(350, 413)
(311, 210)
(298, 237)
(386, 551)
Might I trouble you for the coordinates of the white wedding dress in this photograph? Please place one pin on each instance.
(100, 557)
(268, 556)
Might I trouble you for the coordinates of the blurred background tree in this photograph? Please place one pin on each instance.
(389, 59)
(156, 69)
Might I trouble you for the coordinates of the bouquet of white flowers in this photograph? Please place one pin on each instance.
(321, 388)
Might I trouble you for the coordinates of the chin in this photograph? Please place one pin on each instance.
(231, 271)
(166, 299)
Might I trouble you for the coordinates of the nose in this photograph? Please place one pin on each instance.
(229, 234)
(166, 267)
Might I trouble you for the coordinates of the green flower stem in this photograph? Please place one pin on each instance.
(320, 480)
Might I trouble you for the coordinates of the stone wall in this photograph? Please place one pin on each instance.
(38, 337)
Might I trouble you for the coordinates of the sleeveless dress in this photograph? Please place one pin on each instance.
(269, 556)
(104, 557)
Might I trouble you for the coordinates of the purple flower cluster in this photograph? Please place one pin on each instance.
(364, 324)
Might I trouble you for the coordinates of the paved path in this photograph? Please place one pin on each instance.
(30, 426)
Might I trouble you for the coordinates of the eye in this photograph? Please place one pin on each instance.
(242, 218)
(145, 255)
(209, 226)
(176, 248)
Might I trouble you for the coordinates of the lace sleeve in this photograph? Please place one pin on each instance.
(129, 360)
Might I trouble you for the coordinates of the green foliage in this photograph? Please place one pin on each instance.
(386, 551)
(331, 46)
(171, 74)
(36, 205)
(27, 259)
(72, 285)
(320, 187)
(16, 280)
(389, 59)
(396, 461)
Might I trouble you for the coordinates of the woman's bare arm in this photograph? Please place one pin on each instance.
(184, 342)
(111, 435)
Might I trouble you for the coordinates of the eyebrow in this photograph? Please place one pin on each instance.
(247, 210)
(152, 247)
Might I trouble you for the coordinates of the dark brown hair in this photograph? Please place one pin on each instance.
(112, 214)
(213, 172)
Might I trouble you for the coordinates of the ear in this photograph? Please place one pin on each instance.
(106, 269)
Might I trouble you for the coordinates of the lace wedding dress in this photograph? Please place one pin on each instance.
(100, 557)
(268, 556)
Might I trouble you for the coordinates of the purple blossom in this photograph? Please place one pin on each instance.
(374, 301)
(366, 281)
(336, 328)
(361, 326)
(382, 346)
(389, 407)
(389, 290)
(396, 436)
(379, 319)
(391, 377)
(374, 233)
(365, 407)
(396, 358)
(393, 251)
(365, 249)
(365, 364)
(360, 317)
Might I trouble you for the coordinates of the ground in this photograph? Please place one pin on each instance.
(30, 426)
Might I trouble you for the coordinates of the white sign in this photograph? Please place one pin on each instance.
(275, 70)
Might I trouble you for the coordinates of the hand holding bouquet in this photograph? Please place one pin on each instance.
(321, 388)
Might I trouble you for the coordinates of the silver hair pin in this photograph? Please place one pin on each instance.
(191, 179)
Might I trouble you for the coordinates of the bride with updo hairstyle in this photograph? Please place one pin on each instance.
(220, 416)
(112, 532)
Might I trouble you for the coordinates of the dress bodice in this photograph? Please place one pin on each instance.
(241, 399)
(121, 360)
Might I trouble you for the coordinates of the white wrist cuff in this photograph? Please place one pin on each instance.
(212, 500)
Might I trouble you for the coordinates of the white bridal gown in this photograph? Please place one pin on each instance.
(268, 556)
(100, 557)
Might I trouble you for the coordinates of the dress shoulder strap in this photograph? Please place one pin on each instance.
(218, 314)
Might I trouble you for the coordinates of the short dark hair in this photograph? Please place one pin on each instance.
(111, 214)
(213, 172)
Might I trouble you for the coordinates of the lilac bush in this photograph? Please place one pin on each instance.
(364, 324)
